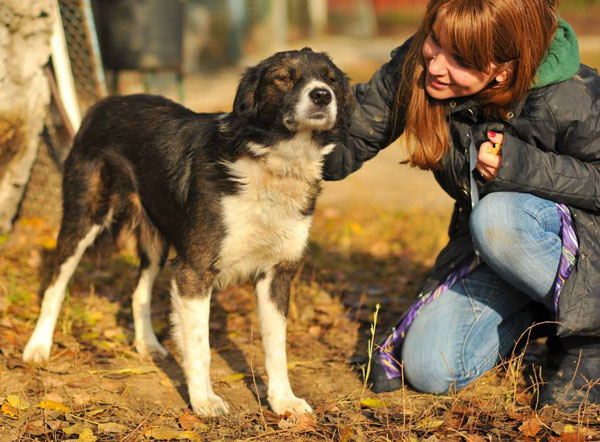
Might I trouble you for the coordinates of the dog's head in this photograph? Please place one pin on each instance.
(296, 91)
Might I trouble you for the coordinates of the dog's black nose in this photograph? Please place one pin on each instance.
(320, 96)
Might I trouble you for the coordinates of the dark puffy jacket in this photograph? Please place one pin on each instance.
(551, 150)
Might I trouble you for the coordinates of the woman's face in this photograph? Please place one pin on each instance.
(447, 76)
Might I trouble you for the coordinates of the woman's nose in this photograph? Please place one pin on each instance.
(438, 64)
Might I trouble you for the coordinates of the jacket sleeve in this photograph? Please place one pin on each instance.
(371, 126)
(569, 171)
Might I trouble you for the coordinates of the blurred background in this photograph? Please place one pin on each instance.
(194, 51)
(209, 42)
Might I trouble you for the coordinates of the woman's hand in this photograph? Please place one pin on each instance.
(489, 158)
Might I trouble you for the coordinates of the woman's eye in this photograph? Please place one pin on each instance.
(461, 62)
(435, 39)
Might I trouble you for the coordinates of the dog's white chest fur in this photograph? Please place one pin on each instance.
(264, 221)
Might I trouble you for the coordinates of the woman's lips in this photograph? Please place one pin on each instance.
(436, 84)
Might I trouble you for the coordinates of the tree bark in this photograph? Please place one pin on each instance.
(25, 32)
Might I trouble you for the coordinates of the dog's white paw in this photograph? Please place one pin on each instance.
(293, 404)
(37, 350)
(210, 407)
(150, 348)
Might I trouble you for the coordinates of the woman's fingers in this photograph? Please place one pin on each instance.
(488, 163)
(496, 139)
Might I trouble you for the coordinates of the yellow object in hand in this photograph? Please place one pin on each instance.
(495, 149)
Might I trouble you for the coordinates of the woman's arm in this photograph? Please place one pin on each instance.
(372, 120)
(570, 172)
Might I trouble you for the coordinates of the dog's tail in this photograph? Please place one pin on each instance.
(100, 188)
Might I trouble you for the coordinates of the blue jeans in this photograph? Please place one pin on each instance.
(464, 333)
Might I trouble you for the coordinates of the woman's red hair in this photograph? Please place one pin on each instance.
(511, 34)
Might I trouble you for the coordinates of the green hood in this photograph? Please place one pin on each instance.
(562, 59)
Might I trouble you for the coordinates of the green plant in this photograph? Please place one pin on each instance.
(370, 346)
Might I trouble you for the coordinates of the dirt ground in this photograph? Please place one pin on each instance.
(96, 387)
(374, 236)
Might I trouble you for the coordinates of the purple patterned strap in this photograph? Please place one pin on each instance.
(389, 353)
(570, 249)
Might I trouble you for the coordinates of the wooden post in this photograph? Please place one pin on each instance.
(317, 12)
(279, 22)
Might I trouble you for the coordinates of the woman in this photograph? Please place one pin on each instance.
(491, 97)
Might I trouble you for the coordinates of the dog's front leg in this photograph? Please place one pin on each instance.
(273, 292)
(191, 306)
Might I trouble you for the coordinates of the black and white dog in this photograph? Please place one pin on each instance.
(233, 194)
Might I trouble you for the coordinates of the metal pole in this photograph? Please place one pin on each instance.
(64, 74)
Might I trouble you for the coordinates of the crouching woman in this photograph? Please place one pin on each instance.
(490, 96)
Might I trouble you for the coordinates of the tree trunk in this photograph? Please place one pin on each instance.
(25, 32)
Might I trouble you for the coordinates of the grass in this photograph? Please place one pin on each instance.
(358, 260)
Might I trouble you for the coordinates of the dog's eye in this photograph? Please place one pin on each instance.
(283, 77)
(332, 79)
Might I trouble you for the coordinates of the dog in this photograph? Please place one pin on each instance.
(233, 194)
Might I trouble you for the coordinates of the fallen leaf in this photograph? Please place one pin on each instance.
(233, 378)
(56, 406)
(49, 243)
(372, 403)
(15, 402)
(191, 422)
(74, 429)
(125, 371)
(572, 437)
(170, 434)
(474, 438)
(314, 330)
(514, 415)
(13, 363)
(87, 436)
(346, 433)
(95, 412)
(8, 411)
(111, 427)
(572, 434)
(524, 398)
(305, 423)
(54, 425)
(430, 423)
(530, 427)
(36, 428)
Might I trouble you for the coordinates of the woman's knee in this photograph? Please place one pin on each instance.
(430, 373)
(494, 216)
(498, 223)
(504, 222)
(432, 361)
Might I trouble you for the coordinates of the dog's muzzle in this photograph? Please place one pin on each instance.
(316, 109)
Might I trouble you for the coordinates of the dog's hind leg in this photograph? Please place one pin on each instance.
(152, 251)
(273, 291)
(86, 214)
(74, 238)
(191, 294)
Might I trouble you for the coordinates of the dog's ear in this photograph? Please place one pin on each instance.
(244, 104)
(306, 49)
